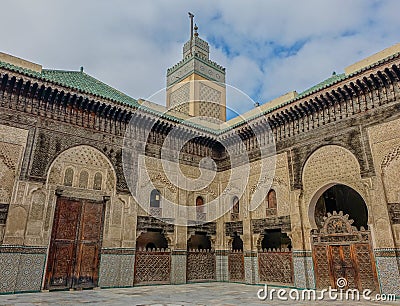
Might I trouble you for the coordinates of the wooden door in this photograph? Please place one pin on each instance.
(75, 243)
(343, 265)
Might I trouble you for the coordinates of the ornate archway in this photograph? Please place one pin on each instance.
(342, 241)
(83, 180)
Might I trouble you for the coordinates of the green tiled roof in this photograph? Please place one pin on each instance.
(88, 84)
(329, 81)
(76, 80)
(19, 69)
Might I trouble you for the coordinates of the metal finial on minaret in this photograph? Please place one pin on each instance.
(191, 16)
(195, 30)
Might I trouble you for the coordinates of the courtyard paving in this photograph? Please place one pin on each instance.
(172, 295)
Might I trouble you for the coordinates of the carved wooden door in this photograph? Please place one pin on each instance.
(342, 262)
(75, 243)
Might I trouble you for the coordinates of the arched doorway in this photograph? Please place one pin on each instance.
(342, 241)
(78, 176)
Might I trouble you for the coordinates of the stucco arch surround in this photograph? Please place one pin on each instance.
(327, 166)
(83, 157)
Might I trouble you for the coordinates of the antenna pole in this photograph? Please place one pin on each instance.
(191, 31)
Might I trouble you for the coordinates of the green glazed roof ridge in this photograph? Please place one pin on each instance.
(305, 93)
(75, 79)
(112, 94)
(15, 68)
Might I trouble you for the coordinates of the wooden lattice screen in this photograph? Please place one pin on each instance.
(275, 266)
(236, 266)
(152, 267)
(200, 265)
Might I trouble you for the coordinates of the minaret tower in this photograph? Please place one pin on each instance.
(196, 85)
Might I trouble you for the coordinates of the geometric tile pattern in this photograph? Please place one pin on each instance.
(8, 271)
(178, 268)
(116, 270)
(21, 272)
(309, 266)
(222, 268)
(303, 272)
(388, 274)
(30, 272)
(251, 268)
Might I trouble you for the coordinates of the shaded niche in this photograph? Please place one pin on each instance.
(155, 197)
(152, 239)
(199, 204)
(68, 176)
(98, 181)
(235, 205)
(199, 241)
(275, 239)
(272, 203)
(83, 179)
(342, 198)
(237, 243)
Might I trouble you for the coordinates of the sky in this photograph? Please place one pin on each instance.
(269, 47)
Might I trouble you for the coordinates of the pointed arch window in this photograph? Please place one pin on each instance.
(83, 179)
(68, 177)
(98, 181)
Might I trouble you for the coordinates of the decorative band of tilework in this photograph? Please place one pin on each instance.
(23, 249)
(301, 253)
(250, 254)
(387, 252)
(178, 252)
(118, 251)
(222, 252)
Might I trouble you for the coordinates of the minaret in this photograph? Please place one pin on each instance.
(196, 85)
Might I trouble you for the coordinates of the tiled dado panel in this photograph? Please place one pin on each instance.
(388, 271)
(251, 268)
(222, 265)
(117, 268)
(178, 267)
(21, 269)
(303, 269)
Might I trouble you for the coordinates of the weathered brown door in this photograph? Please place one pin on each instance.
(342, 262)
(75, 243)
(340, 250)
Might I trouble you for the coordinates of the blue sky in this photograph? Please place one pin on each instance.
(268, 47)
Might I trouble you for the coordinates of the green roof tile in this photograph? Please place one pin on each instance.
(76, 80)
(329, 81)
(88, 84)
